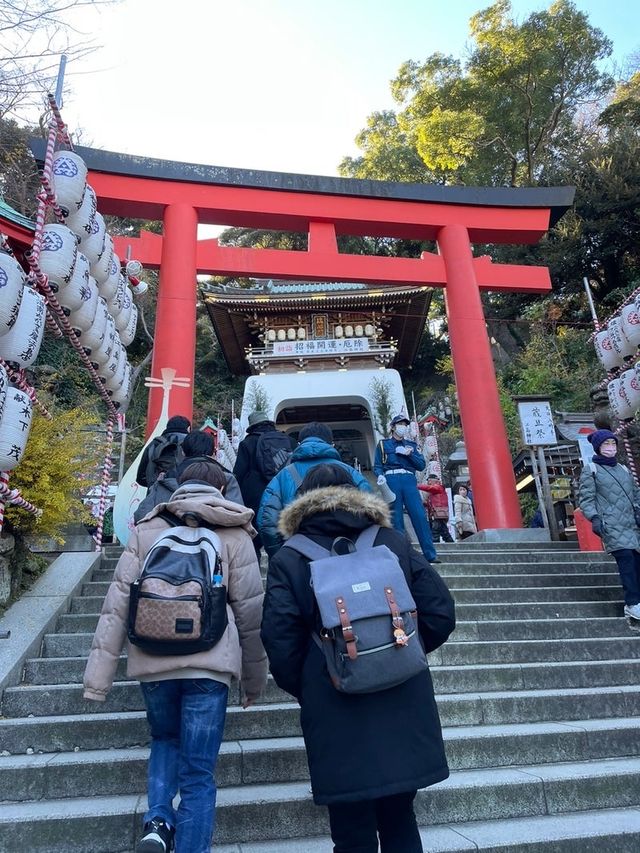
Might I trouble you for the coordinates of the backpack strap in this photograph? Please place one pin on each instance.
(295, 475)
(307, 547)
(170, 517)
(383, 454)
(367, 537)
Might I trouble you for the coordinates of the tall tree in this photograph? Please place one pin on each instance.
(504, 116)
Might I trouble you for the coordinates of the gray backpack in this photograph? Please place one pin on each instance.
(369, 630)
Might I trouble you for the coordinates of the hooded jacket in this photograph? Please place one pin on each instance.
(250, 479)
(282, 489)
(611, 493)
(239, 653)
(371, 745)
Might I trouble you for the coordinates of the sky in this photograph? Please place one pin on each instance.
(280, 85)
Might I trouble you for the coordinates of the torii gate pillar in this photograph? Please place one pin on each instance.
(494, 487)
(175, 339)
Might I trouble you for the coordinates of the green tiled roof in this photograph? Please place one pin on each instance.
(313, 286)
(8, 212)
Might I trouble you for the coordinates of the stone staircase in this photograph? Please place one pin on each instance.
(539, 695)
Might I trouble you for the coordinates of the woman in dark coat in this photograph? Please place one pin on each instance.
(369, 753)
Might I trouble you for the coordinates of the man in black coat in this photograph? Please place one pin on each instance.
(177, 429)
(246, 470)
(368, 753)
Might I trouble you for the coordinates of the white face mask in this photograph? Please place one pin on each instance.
(608, 450)
(401, 430)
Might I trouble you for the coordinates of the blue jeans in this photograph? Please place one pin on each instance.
(405, 488)
(629, 567)
(186, 717)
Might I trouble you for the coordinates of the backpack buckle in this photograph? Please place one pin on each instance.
(347, 629)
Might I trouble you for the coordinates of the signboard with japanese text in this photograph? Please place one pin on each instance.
(321, 347)
(536, 420)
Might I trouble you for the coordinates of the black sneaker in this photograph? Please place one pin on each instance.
(157, 837)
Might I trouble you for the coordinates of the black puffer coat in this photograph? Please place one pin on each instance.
(252, 483)
(366, 746)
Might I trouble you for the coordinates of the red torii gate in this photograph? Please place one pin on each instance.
(184, 195)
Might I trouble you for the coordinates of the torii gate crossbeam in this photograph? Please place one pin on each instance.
(185, 195)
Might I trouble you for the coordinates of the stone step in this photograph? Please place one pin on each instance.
(446, 679)
(527, 651)
(517, 641)
(468, 747)
(277, 719)
(516, 799)
(94, 592)
(596, 831)
(524, 555)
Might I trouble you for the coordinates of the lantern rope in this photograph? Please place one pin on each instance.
(104, 484)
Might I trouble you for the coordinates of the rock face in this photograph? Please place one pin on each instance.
(7, 545)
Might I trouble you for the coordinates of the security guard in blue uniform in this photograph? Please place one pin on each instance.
(396, 461)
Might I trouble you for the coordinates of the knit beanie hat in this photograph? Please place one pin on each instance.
(596, 438)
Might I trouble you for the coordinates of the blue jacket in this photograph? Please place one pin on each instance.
(282, 489)
(414, 462)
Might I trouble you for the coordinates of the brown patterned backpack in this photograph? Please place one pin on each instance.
(178, 605)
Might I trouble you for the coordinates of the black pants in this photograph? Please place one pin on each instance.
(440, 530)
(355, 827)
(629, 567)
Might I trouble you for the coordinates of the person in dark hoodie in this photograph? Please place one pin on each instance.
(315, 448)
(368, 753)
(247, 470)
(163, 452)
(197, 447)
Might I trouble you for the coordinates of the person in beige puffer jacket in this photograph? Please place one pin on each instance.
(186, 695)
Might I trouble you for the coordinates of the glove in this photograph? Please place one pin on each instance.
(381, 480)
(596, 525)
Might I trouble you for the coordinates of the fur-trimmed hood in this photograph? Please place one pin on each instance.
(331, 499)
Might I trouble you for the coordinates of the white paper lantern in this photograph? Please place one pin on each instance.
(80, 222)
(100, 269)
(608, 357)
(122, 394)
(93, 244)
(129, 332)
(369, 330)
(282, 335)
(271, 335)
(114, 366)
(22, 343)
(630, 320)
(93, 337)
(82, 318)
(122, 320)
(59, 253)
(100, 353)
(618, 338)
(72, 295)
(109, 286)
(4, 385)
(338, 331)
(630, 388)
(348, 331)
(620, 404)
(15, 424)
(291, 334)
(302, 333)
(69, 174)
(117, 300)
(12, 281)
(359, 330)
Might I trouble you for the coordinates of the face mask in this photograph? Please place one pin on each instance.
(608, 451)
(400, 430)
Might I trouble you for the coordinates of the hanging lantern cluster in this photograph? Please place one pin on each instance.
(83, 269)
(616, 347)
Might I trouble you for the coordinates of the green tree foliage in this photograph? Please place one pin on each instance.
(503, 117)
(59, 454)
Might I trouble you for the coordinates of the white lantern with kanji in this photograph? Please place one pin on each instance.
(15, 423)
